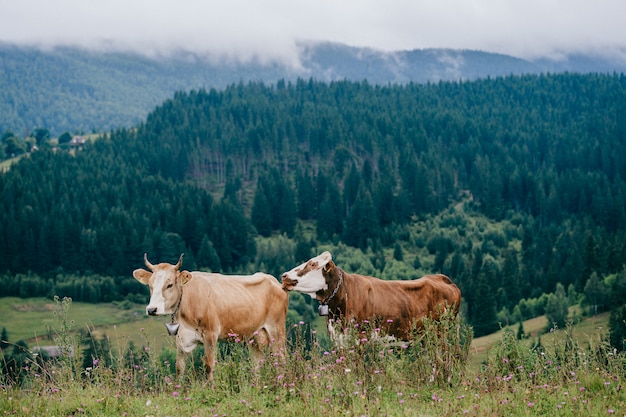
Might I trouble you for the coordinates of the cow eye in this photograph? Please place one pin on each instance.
(170, 285)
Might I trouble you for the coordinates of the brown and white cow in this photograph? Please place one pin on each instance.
(396, 306)
(207, 306)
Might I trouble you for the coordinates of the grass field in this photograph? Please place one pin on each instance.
(432, 378)
(30, 320)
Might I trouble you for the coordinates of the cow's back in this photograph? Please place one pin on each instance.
(402, 302)
(241, 304)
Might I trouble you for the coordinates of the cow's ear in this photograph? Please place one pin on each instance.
(142, 276)
(329, 266)
(185, 277)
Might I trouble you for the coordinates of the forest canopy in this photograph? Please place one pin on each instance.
(392, 172)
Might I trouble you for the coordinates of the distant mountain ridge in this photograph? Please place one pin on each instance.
(74, 90)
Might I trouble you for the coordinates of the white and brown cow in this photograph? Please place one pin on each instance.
(397, 306)
(206, 307)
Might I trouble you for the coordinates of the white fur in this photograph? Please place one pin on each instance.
(156, 298)
(313, 281)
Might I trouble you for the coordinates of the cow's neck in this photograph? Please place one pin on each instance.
(332, 297)
(180, 298)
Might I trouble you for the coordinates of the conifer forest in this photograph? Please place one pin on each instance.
(515, 187)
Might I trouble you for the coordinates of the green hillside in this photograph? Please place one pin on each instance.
(514, 187)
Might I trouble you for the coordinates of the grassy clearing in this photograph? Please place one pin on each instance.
(33, 320)
(6, 164)
(566, 377)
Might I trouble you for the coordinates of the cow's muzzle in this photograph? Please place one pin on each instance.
(288, 283)
(152, 311)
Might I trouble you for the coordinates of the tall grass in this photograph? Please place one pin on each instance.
(369, 376)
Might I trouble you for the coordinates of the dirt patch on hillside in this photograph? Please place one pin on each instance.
(34, 307)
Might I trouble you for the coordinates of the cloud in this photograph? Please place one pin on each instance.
(271, 30)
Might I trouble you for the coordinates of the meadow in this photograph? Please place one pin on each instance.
(570, 372)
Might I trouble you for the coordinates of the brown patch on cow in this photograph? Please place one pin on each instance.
(310, 266)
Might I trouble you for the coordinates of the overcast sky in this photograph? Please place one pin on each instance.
(271, 29)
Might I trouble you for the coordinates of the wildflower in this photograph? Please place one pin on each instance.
(531, 404)
(611, 411)
(175, 393)
(301, 323)
(95, 362)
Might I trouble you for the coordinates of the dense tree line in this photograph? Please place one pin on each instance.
(214, 172)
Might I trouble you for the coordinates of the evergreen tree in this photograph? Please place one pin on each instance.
(397, 252)
(595, 293)
(207, 256)
(617, 328)
(483, 317)
(4, 339)
(286, 211)
(260, 216)
(306, 196)
(520, 331)
(362, 222)
(557, 308)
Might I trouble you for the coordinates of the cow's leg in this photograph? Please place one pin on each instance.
(261, 342)
(210, 347)
(181, 363)
(185, 342)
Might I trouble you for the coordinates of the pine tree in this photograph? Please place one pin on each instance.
(207, 256)
(520, 331)
(260, 216)
(557, 308)
(4, 339)
(484, 318)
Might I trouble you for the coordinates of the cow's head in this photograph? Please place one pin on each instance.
(308, 278)
(166, 285)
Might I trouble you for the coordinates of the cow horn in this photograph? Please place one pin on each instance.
(180, 261)
(147, 262)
